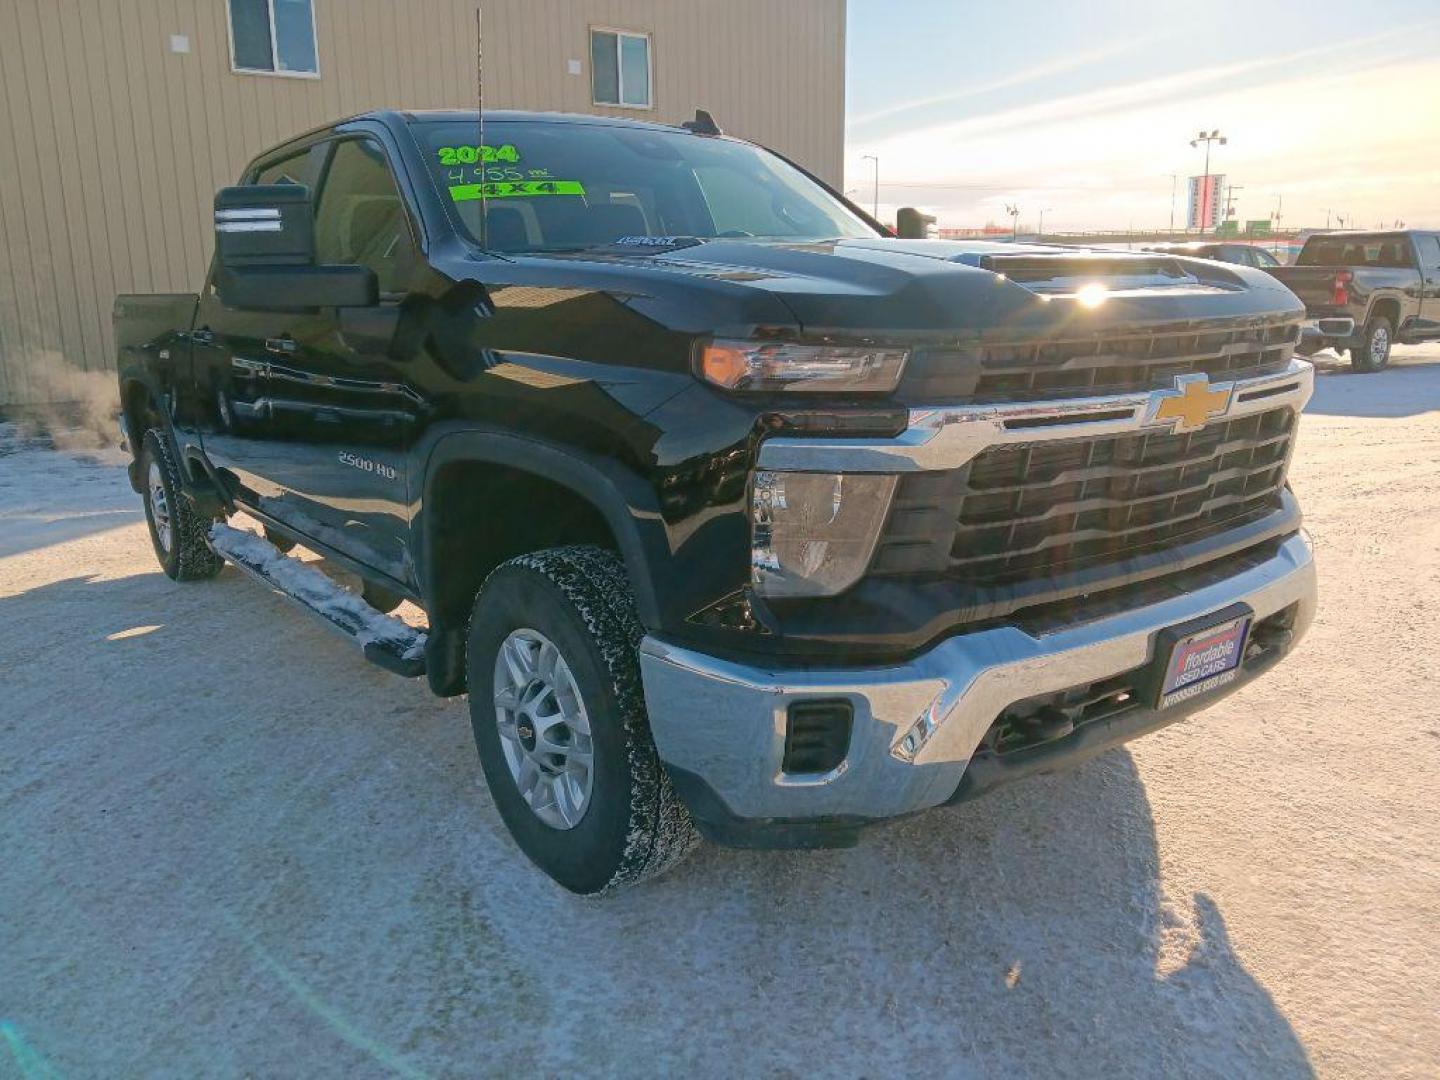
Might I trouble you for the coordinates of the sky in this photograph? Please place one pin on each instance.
(1085, 109)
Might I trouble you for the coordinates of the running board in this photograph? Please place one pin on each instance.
(389, 642)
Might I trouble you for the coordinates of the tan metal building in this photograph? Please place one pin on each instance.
(118, 120)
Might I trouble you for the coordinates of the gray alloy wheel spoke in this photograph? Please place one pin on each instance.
(544, 729)
(1379, 342)
(159, 506)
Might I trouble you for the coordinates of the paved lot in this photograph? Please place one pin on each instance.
(228, 847)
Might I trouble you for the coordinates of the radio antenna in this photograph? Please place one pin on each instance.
(480, 126)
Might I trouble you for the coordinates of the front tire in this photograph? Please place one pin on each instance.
(560, 724)
(1373, 353)
(177, 533)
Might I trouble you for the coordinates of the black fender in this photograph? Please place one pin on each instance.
(626, 500)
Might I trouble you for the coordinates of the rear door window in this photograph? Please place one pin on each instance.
(1378, 251)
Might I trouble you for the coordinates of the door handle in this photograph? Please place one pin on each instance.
(284, 344)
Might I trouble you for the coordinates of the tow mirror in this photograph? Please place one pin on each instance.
(911, 224)
(265, 247)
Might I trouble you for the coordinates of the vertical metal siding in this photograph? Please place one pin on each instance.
(111, 146)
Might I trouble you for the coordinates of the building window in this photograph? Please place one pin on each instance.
(276, 37)
(620, 68)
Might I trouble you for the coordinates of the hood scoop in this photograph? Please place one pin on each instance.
(1065, 272)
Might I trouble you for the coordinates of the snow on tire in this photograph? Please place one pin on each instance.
(578, 600)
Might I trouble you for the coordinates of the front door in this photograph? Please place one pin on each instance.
(343, 413)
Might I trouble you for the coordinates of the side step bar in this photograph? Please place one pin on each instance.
(389, 642)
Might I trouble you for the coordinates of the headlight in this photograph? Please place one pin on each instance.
(812, 534)
(753, 365)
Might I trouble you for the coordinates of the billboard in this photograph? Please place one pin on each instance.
(1207, 199)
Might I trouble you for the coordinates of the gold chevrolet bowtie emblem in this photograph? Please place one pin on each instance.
(1191, 404)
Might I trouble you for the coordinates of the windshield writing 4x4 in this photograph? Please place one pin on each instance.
(554, 186)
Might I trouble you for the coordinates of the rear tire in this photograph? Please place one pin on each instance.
(177, 533)
(1373, 353)
(561, 715)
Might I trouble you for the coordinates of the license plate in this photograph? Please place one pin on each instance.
(1202, 660)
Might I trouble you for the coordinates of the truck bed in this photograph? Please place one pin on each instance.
(141, 319)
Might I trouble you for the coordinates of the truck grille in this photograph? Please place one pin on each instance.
(1117, 364)
(1023, 511)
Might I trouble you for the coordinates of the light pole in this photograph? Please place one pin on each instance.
(1207, 137)
(1014, 211)
(875, 213)
(1040, 233)
(1174, 180)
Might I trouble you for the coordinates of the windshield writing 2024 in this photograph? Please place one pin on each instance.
(495, 172)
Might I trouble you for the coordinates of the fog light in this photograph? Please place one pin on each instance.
(812, 534)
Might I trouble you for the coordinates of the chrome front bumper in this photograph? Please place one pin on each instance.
(916, 724)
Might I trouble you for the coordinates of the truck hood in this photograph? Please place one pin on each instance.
(942, 288)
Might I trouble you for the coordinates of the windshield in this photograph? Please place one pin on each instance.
(568, 187)
(1391, 251)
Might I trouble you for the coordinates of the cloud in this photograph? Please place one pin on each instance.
(1104, 158)
(1128, 96)
(1019, 78)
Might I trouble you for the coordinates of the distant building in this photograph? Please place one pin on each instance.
(122, 119)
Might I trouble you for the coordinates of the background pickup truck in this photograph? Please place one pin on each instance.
(727, 509)
(1366, 291)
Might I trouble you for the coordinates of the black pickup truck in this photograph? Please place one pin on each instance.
(1366, 291)
(728, 509)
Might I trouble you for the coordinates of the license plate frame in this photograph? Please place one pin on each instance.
(1213, 645)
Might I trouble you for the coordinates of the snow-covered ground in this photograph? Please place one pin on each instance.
(229, 847)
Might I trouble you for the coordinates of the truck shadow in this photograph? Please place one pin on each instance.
(292, 838)
(1026, 933)
(1408, 387)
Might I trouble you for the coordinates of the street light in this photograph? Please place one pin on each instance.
(875, 213)
(1207, 137)
(1040, 233)
(1014, 211)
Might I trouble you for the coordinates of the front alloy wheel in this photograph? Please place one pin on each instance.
(558, 710)
(544, 730)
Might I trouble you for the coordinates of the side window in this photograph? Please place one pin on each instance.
(361, 217)
(620, 68)
(1429, 251)
(1263, 258)
(295, 169)
(276, 37)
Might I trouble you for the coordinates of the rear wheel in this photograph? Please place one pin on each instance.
(560, 723)
(1373, 353)
(177, 533)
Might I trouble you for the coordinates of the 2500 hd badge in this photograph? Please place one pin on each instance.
(379, 468)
